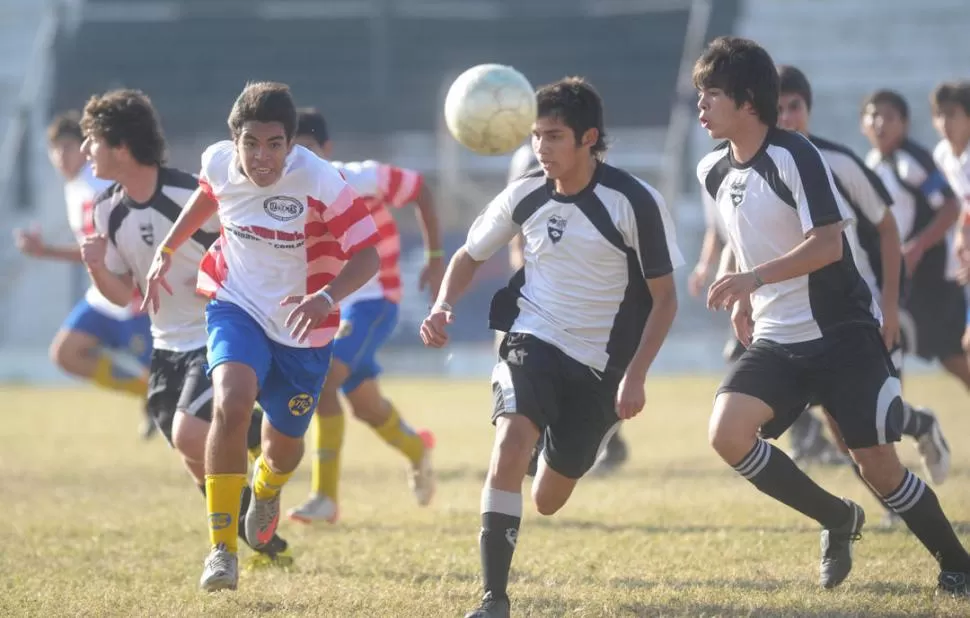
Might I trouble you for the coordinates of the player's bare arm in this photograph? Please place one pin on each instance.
(434, 267)
(934, 233)
(822, 247)
(311, 309)
(630, 396)
(891, 251)
(116, 288)
(199, 209)
(461, 271)
(31, 243)
(710, 251)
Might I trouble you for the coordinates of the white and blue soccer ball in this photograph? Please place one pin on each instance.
(490, 109)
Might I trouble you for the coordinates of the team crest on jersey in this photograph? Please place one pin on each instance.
(283, 207)
(147, 233)
(556, 227)
(300, 404)
(736, 191)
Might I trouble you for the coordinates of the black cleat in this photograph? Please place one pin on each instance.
(491, 607)
(953, 583)
(276, 554)
(837, 543)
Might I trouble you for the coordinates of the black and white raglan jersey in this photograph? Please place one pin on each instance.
(869, 199)
(956, 169)
(578, 287)
(768, 205)
(918, 190)
(134, 231)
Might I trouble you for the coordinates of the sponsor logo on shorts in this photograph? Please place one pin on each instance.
(300, 404)
(220, 521)
(283, 207)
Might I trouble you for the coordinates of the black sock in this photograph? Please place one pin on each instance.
(501, 515)
(919, 507)
(858, 473)
(774, 473)
(915, 422)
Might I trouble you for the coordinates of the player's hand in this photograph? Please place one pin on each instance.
(696, 280)
(309, 312)
(742, 321)
(433, 330)
(630, 397)
(93, 249)
(155, 281)
(431, 276)
(29, 242)
(729, 289)
(890, 325)
(912, 254)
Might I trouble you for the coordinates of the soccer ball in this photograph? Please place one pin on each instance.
(490, 109)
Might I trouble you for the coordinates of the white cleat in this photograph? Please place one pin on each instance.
(421, 477)
(221, 570)
(318, 507)
(934, 450)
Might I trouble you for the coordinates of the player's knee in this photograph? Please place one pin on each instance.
(188, 438)
(513, 449)
(547, 502)
(63, 352)
(733, 428)
(234, 407)
(880, 467)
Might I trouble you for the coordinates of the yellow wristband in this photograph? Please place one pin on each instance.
(166, 249)
(436, 253)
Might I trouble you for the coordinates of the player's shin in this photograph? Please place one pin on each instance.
(328, 437)
(398, 434)
(501, 516)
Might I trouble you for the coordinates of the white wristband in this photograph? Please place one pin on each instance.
(325, 295)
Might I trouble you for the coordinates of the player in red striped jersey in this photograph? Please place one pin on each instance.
(293, 233)
(369, 318)
(98, 341)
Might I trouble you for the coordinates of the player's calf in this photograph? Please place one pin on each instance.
(551, 490)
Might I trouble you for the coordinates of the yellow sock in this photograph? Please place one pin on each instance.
(399, 434)
(267, 483)
(222, 495)
(328, 439)
(104, 375)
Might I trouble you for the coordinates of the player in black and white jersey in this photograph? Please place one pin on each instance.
(926, 211)
(615, 453)
(875, 244)
(807, 317)
(124, 143)
(950, 102)
(585, 316)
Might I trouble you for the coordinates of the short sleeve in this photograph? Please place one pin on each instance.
(215, 168)
(810, 181)
(916, 167)
(493, 229)
(113, 260)
(651, 233)
(861, 185)
(344, 212)
(399, 186)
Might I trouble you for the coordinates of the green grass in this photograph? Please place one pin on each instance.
(96, 523)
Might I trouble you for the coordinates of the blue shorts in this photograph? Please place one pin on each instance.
(290, 379)
(132, 336)
(365, 326)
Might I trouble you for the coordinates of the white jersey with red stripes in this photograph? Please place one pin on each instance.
(291, 238)
(79, 194)
(383, 187)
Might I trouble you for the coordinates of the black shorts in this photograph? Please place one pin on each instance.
(571, 403)
(939, 314)
(849, 372)
(178, 383)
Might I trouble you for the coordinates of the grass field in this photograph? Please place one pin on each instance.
(97, 523)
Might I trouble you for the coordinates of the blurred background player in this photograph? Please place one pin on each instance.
(584, 318)
(368, 318)
(294, 233)
(124, 143)
(875, 244)
(615, 453)
(926, 211)
(950, 106)
(99, 341)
